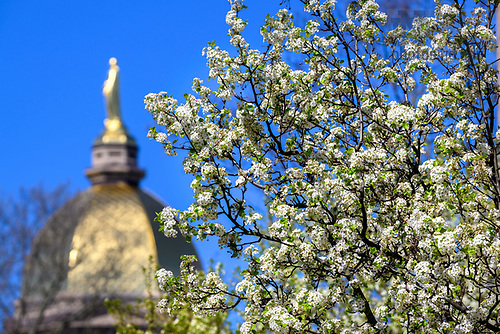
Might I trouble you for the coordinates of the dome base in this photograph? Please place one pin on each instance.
(68, 313)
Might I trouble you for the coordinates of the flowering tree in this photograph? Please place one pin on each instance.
(143, 317)
(384, 204)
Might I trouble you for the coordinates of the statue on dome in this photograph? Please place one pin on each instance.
(110, 92)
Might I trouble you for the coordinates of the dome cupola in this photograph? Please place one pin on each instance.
(114, 152)
(97, 244)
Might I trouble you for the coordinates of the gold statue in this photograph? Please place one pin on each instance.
(115, 131)
(110, 92)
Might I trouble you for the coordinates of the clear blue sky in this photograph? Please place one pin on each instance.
(54, 60)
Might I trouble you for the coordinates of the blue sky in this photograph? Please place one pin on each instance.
(54, 60)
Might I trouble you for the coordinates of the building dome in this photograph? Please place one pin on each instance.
(97, 244)
(100, 241)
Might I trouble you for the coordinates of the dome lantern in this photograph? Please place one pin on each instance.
(114, 152)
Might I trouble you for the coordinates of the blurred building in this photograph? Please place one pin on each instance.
(97, 245)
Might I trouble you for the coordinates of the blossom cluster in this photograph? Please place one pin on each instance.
(379, 172)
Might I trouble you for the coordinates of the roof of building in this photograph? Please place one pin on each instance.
(101, 240)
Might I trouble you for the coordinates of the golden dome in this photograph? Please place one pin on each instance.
(99, 242)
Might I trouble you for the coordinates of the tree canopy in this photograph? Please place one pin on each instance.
(375, 149)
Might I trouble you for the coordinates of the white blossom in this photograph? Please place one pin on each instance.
(375, 153)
